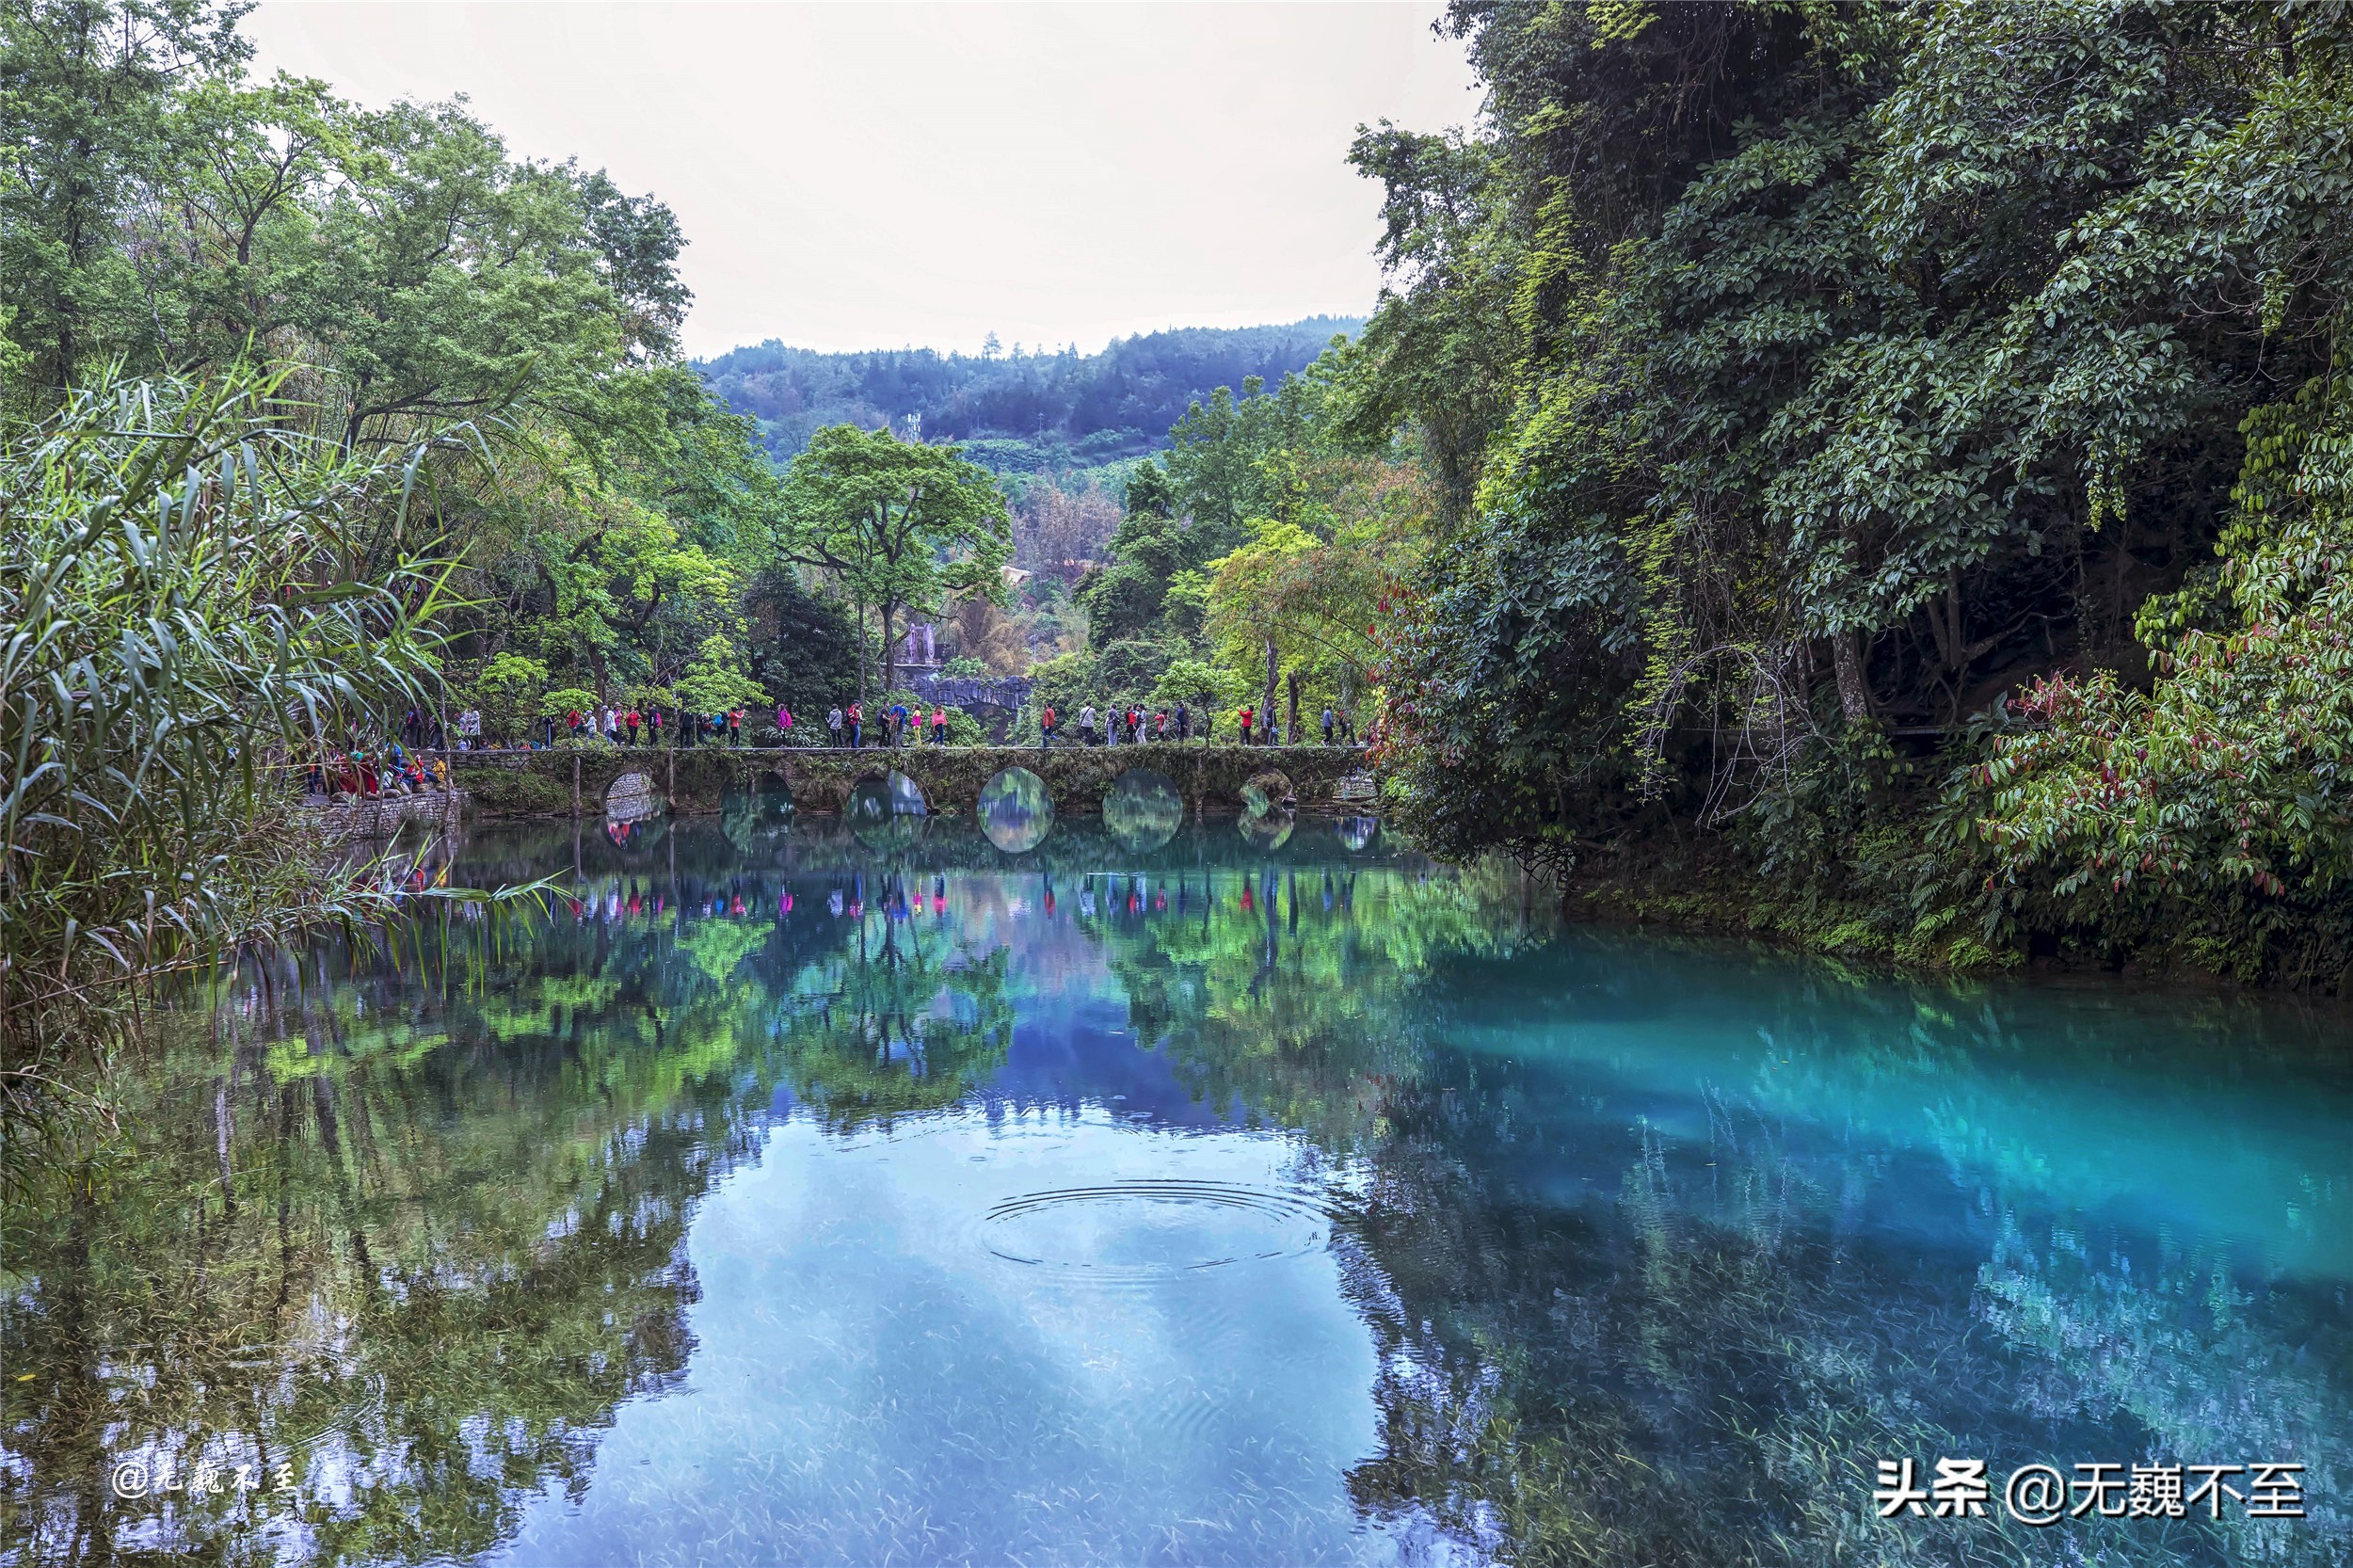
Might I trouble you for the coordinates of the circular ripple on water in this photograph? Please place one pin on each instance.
(1139, 1231)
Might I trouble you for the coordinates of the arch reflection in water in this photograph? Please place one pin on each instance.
(1268, 830)
(887, 813)
(772, 798)
(634, 797)
(1015, 812)
(1357, 833)
(761, 814)
(1143, 810)
(635, 833)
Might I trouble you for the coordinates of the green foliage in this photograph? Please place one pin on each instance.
(715, 681)
(507, 692)
(803, 646)
(1202, 684)
(897, 525)
(1058, 412)
(1792, 374)
(187, 616)
(2209, 810)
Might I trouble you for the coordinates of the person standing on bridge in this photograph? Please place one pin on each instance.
(1330, 722)
(939, 727)
(1046, 727)
(1247, 715)
(1184, 720)
(1086, 725)
(833, 724)
(630, 722)
(784, 725)
(858, 722)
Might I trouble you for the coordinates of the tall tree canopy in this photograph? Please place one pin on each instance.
(1795, 378)
(897, 525)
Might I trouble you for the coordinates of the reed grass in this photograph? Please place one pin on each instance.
(197, 596)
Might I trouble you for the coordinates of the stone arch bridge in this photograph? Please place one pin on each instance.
(570, 781)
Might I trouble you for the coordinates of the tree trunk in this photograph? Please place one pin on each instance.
(1854, 692)
(891, 653)
(861, 654)
(1292, 682)
(1266, 708)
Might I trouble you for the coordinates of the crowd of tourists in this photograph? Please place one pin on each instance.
(372, 772)
(630, 727)
(896, 726)
(1130, 725)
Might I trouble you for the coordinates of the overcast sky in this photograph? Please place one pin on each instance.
(861, 176)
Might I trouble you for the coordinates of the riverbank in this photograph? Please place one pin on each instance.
(1721, 896)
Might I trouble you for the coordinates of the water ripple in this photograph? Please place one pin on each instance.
(1145, 1230)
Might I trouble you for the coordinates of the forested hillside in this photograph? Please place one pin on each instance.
(1020, 410)
(1892, 470)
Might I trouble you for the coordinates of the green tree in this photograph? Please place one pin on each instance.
(898, 524)
(89, 90)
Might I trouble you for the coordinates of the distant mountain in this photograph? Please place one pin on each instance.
(1017, 413)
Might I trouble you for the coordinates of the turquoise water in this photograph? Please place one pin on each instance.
(1253, 1196)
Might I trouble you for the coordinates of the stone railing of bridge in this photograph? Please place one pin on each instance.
(580, 780)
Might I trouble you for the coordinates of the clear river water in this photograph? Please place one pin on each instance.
(1250, 1194)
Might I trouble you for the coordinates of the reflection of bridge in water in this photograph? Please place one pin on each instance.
(622, 782)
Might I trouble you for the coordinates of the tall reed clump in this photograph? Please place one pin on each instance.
(196, 595)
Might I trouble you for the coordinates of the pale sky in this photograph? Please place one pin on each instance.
(862, 176)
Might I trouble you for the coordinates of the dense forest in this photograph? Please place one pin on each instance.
(1877, 474)
(1017, 411)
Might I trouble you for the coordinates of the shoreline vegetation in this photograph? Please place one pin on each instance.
(1873, 476)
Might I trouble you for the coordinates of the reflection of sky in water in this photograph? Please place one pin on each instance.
(870, 1377)
(888, 1190)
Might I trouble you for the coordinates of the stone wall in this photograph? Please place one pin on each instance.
(1210, 777)
(382, 817)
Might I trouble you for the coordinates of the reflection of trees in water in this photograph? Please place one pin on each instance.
(1700, 1356)
(1284, 993)
(416, 1253)
(1697, 1357)
(898, 1019)
(413, 1219)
